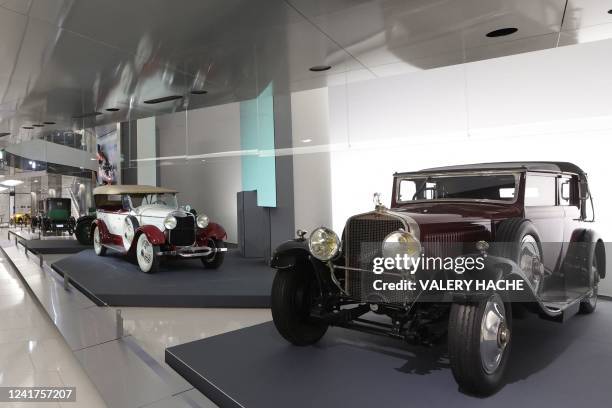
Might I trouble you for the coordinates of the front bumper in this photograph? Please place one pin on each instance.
(192, 252)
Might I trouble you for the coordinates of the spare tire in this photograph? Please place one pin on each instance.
(517, 239)
(83, 229)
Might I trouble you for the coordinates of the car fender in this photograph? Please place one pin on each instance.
(590, 236)
(104, 234)
(212, 230)
(290, 253)
(154, 235)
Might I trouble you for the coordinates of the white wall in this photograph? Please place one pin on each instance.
(547, 105)
(208, 186)
(146, 147)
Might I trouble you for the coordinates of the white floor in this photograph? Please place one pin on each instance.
(32, 351)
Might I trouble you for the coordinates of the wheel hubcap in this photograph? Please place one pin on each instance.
(494, 334)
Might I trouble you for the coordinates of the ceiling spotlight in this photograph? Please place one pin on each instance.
(27, 127)
(38, 125)
(199, 92)
(203, 160)
(112, 109)
(86, 115)
(610, 11)
(11, 183)
(49, 123)
(163, 99)
(502, 32)
(306, 140)
(320, 68)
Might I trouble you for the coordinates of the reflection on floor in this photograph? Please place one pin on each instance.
(32, 351)
(157, 328)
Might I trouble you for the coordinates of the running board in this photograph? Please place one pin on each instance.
(559, 314)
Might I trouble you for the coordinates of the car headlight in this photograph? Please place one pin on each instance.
(324, 244)
(170, 222)
(401, 243)
(202, 221)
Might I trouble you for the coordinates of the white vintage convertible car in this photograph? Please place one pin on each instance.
(146, 221)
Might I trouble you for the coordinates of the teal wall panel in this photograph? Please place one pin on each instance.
(257, 140)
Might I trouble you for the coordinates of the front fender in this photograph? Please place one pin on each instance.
(290, 253)
(212, 230)
(154, 235)
(104, 234)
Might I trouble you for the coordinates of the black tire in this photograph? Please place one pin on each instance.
(83, 232)
(464, 348)
(215, 260)
(595, 261)
(292, 291)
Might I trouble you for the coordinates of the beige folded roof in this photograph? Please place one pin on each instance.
(131, 189)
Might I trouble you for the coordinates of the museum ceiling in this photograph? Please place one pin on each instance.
(79, 63)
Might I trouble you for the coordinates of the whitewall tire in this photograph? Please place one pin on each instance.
(99, 249)
(146, 254)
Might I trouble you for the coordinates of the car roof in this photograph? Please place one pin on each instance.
(131, 189)
(544, 166)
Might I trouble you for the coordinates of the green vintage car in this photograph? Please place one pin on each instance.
(54, 217)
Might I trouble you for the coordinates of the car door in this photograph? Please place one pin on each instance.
(541, 207)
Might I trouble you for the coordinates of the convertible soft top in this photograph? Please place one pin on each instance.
(131, 189)
(562, 167)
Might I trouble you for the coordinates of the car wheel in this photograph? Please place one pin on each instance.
(517, 239)
(216, 259)
(99, 249)
(146, 255)
(82, 233)
(479, 344)
(292, 295)
(589, 304)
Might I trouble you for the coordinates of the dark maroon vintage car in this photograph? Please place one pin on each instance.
(524, 227)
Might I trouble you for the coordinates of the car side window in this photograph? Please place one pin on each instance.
(540, 190)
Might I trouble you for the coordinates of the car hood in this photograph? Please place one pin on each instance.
(457, 212)
(155, 210)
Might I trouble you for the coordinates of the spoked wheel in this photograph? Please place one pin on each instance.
(146, 254)
(214, 260)
(479, 344)
(99, 249)
(588, 304)
(530, 261)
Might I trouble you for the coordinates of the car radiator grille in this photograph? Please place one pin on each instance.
(363, 239)
(184, 233)
(443, 244)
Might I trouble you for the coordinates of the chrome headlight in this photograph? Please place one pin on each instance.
(202, 221)
(170, 222)
(324, 244)
(401, 243)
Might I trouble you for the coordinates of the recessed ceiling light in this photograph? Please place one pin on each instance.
(306, 140)
(112, 109)
(502, 32)
(199, 92)
(203, 160)
(610, 11)
(163, 99)
(86, 115)
(11, 183)
(49, 123)
(2, 134)
(27, 127)
(38, 125)
(3, 189)
(320, 68)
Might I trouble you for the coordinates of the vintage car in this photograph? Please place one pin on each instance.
(54, 216)
(146, 221)
(529, 223)
(19, 219)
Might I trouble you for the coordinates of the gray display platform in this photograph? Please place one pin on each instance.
(115, 280)
(551, 364)
(54, 246)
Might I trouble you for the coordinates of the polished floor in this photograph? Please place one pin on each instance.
(32, 351)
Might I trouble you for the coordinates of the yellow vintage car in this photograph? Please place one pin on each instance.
(18, 219)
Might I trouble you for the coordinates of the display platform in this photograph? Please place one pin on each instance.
(54, 246)
(353, 369)
(116, 281)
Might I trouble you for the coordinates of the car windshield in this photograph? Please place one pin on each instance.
(497, 187)
(166, 199)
